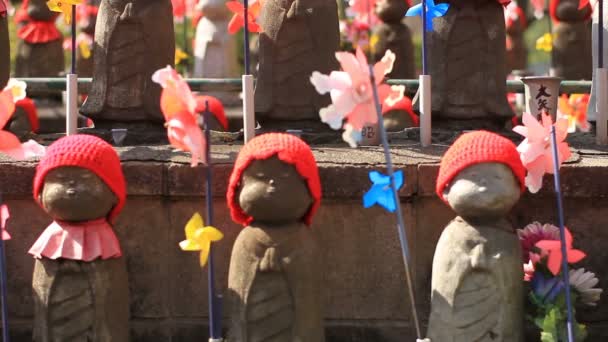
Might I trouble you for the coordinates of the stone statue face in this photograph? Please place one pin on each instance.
(391, 11)
(483, 191)
(75, 194)
(273, 192)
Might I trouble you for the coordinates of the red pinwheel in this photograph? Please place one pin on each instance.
(552, 249)
(238, 19)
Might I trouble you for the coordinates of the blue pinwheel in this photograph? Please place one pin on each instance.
(381, 192)
(432, 11)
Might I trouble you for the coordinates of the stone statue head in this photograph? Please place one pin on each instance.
(568, 11)
(275, 180)
(481, 176)
(391, 11)
(80, 179)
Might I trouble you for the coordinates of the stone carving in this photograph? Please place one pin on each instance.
(468, 63)
(80, 284)
(477, 290)
(515, 23)
(392, 34)
(133, 39)
(5, 52)
(572, 40)
(275, 272)
(215, 51)
(39, 50)
(299, 37)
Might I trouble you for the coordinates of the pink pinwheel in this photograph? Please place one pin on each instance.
(9, 143)
(535, 151)
(4, 216)
(553, 251)
(238, 19)
(178, 105)
(351, 92)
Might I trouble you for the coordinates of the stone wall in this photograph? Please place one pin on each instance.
(365, 296)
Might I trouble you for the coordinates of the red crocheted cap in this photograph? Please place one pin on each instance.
(479, 147)
(405, 104)
(29, 107)
(288, 148)
(215, 107)
(91, 153)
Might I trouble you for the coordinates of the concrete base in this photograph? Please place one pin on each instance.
(366, 292)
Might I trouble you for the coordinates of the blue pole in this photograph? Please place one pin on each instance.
(214, 313)
(424, 38)
(600, 35)
(560, 212)
(3, 290)
(73, 67)
(400, 222)
(246, 40)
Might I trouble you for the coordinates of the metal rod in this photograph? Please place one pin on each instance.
(562, 235)
(400, 222)
(425, 69)
(246, 36)
(600, 35)
(73, 67)
(3, 289)
(214, 321)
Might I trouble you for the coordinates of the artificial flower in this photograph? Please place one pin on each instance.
(9, 143)
(63, 6)
(546, 288)
(180, 55)
(545, 43)
(381, 192)
(432, 11)
(553, 251)
(199, 237)
(4, 216)
(584, 282)
(574, 109)
(529, 270)
(533, 233)
(352, 93)
(179, 108)
(536, 152)
(238, 19)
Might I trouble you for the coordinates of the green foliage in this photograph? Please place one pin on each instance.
(551, 318)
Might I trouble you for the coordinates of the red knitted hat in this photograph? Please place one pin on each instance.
(288, 148)
(479, 147)
(91, 153)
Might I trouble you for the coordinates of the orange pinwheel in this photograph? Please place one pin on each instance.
(553, 250)
(574, 108)
(238, 19)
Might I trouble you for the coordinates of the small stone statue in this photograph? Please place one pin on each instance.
(133, 39)
(468, 63)
(299, 37)
(215, 51)
(80, 284)
(275, 272)
(477, 282)
(40, 49)
(571, 52)
(516, 24)
(5, 48)
(394, 35)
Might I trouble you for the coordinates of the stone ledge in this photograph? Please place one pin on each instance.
(160, 171)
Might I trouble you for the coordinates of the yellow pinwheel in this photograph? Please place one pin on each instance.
(180, 55)
(199, 237)
(63, 6)
(545, 43)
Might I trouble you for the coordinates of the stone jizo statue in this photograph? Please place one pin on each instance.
(477, 280)
(274, 282)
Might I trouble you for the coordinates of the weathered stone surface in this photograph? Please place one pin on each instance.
(468, 63)
(298, 37)
(133, 39)
(571, 53)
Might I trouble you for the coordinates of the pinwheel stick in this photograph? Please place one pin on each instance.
(600, 35)
(246, 35)
(560, 212)
(3, 285)
(73, 65)
(71, 111)
(400, 222)
(215, 324)
(601, 81)
(425, 69)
